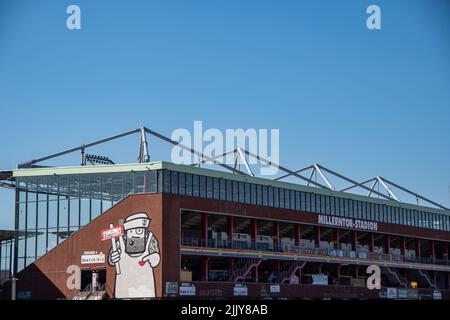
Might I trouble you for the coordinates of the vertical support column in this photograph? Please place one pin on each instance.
(230, 226)
(253, 231)
(300, 275)
(336, 238)
(418, 253)
(353, 239)
(405, 275)
(447, 281)
(204, 268)
(317, 236)
(387, 243)
(403, 245)
(355, 271)
(204, 228)
(276, 235)
(230, 263)
(297, 234)
(446, 251)
(371, 241)
(278, 267)
(432, 251)
(255, 273)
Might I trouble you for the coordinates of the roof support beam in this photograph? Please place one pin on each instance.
(352, 181)
(418, 196)
(80, 148)
(197, 153)
(323, 176)
(296, 171)
(276, 165)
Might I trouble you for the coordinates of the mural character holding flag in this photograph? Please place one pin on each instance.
(135, 254)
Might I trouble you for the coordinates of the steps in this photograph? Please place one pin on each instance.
(286, 275)
(241, 273)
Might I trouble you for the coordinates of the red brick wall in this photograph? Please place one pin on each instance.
(47, 277)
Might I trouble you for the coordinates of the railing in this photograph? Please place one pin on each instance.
(399, 279)
(263, 246)
(287, 274)
(241, 273)
(88, 293)
(427, 278)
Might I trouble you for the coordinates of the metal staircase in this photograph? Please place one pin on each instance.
(242, 272)
(89, 294)
(425, 276)
(286, 275)
(393, 276)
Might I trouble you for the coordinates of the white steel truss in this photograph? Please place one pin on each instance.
(242, 156)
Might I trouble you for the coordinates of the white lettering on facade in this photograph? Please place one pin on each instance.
(347, 223)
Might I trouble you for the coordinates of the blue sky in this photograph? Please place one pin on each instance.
(359, 101)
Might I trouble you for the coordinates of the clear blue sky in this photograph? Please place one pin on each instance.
(361, 102)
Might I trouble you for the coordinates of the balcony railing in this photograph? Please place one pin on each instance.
(264, 246)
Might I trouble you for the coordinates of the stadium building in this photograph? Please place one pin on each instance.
(155, 229)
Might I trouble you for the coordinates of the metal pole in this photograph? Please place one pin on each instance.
(83, 158)
(13, 288)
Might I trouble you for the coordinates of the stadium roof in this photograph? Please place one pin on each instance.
(370, 186)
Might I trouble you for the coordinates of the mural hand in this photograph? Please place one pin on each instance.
(115, 256)
(153, 259)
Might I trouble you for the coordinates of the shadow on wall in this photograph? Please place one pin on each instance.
(32, 282)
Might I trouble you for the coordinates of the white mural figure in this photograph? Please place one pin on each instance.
(137, 254)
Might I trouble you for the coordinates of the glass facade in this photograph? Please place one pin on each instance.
(51, 208)
(249, 193)
(6, 261)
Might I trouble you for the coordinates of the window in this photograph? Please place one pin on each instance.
(322, 203)
(318, 203)
(253, 193)
(360, 216)
(195, 185)
(281, 198)
(223, 193)
(174, 182)
(293, 200)
(313, 202)
(216, 188)
(189, 188)
(287, 199)
(229, 190)
(181, 183)
(276, 195)
(166, 181)
(270, 196)
(235, 191)
(259, 194)
(348, 208)
(247, 194)
(264, 195)
(308, 202)
(241, 192)
(332, 206)
(202, 186)
(297, 200)
(209, 187)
